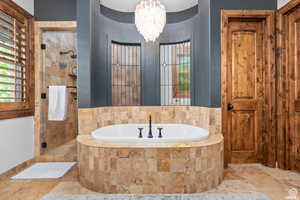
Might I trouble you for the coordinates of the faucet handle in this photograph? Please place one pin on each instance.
(141, 132)
(160, 134)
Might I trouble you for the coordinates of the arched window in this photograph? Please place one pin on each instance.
(175, 73)
(126, 73)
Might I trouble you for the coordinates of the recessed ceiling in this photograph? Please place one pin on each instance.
(129, 5)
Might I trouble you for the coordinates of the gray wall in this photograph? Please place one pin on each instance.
(97, 30)
(202, 83)
(55, 10)
(85, 36)
(95, 34)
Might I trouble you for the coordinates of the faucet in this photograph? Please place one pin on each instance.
(160, 134)
(150, 128)
(141, 132)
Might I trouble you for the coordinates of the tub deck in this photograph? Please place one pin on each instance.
(150, 168)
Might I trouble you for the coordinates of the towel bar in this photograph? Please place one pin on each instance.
(69, 87)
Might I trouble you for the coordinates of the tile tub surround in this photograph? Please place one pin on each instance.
(130, 168)
(92, 118)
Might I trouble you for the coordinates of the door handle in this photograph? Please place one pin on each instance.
(230, 107)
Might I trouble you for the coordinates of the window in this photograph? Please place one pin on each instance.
(126, 72)
(175, 69)
(16, 66)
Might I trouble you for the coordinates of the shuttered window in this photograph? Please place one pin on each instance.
(16, 71)
(12, 59)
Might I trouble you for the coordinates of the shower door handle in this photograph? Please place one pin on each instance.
(230, 107)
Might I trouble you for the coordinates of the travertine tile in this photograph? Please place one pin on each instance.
(238, 179)
(93, 118)
(151, 170)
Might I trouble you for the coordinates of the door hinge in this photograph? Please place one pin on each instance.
(43, 46)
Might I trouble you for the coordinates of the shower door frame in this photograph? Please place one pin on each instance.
(39, 28)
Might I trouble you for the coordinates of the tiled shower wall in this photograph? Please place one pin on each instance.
(57, 71)
(93, 118)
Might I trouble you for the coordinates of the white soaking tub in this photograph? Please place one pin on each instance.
(170, 133)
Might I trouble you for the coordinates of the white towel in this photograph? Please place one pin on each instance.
(58, 103)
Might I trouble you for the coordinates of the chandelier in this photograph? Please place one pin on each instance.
(150, 19)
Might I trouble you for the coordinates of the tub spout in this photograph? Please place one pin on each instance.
(150, 128)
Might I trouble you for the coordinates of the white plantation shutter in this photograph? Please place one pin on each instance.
(16, 61)
(12, 59)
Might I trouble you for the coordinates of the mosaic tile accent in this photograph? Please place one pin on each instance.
(93, 118)
(151, 170)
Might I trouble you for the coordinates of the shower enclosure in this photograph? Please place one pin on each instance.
(57, 66)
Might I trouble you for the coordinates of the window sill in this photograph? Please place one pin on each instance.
(16, 114)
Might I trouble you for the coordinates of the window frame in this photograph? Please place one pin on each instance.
(138, 73)
(180, 98)
(176, 77)
(10, 110)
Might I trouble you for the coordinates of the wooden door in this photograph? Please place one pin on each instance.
(289, 23)
(246, 65)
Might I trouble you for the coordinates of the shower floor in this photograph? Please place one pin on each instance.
(253, 178)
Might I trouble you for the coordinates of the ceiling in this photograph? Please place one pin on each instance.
(129, 5)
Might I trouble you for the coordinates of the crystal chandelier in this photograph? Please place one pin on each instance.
(150, 19)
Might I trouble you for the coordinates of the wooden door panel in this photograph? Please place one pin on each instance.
(247, 64)
(293, 27)
(296, 140)
(297, 105)
(244, 141)
(288, 86)
(296, 32)
(243, 64)
(245, 73)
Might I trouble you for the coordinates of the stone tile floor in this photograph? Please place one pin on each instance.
(202, 196)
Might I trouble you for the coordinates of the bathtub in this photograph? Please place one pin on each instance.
(114, 160)
(170, 133)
